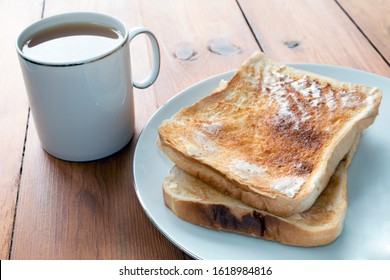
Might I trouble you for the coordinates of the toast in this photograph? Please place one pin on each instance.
(272, 136)
(193, 200)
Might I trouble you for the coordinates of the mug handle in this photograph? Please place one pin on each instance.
(151, 78)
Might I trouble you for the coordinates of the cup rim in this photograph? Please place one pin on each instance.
(63, 18)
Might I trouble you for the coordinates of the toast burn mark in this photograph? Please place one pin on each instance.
(249, 223)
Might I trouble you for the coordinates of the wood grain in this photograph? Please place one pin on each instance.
(311, 31)
(372, 17)
(83, 211)
(15, 15)
(188, 26)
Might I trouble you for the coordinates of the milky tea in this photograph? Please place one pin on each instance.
(71, 42)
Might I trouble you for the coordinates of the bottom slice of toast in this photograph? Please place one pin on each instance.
(193, 200)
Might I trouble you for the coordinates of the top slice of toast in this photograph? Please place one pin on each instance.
(272, 135)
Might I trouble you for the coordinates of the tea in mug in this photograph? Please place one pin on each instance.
(72, 42)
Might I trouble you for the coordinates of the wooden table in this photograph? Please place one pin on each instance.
(52, 209)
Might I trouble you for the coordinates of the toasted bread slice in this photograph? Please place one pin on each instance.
(193, 200)
(272, 136)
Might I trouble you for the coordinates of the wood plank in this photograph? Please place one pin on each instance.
(311, 31)
(88, 210)
(14, 16)
(372, 17)
(83, 211)
(198, 39)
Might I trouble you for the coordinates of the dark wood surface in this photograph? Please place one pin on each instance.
(52, 209)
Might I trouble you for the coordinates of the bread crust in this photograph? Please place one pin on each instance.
(257, 223)
(193, 200)
(301, 150)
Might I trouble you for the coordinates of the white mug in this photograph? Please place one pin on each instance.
(84, 110)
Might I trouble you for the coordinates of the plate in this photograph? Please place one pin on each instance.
(366, 233)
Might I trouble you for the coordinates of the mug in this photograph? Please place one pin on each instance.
(83, 108)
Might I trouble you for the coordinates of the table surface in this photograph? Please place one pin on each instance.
(53, 209)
